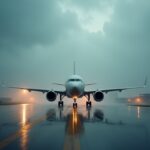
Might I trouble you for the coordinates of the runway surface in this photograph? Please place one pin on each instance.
(103, 127)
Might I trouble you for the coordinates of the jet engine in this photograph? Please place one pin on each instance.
(98, 96)
(51, 96)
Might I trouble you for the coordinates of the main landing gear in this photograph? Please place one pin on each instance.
(88, 103)
(60, 103)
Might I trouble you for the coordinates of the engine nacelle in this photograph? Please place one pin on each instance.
(51, 96)
(98, 96)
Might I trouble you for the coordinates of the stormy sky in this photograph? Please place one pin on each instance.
(108, 39)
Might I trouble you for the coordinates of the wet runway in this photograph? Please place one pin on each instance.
(103, 127)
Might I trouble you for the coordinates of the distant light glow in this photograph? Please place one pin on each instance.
(138, 100)
(24, 91)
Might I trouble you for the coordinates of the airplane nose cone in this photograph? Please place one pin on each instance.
(75, 91)
(75, 88)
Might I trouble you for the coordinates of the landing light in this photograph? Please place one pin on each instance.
(75, 97)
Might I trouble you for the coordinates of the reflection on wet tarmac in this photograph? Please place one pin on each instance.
(74, 129)
(73, 117)
(74, 124)
(99, 115)
(25, 126)
(138, 112)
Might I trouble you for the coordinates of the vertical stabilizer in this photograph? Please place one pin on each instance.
(74, 68)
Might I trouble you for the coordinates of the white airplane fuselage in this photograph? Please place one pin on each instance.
(75, 87)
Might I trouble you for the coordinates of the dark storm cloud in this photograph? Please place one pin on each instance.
(28, 22)
(123, 51)
(128, 35)
(130, 23)
(91, 4)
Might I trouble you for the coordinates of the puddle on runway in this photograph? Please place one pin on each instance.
(104, 127)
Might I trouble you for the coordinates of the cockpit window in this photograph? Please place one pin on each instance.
(74, 80)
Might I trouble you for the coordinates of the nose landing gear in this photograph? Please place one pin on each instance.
(75, 103)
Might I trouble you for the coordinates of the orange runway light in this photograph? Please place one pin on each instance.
(138, 100)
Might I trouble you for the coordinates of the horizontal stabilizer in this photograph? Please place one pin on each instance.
(54, 83)
(90, 84)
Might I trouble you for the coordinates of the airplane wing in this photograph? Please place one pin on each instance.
(37, 90)
(112, 90)
(120, 89)
(117, 89)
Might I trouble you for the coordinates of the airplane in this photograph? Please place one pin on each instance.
(75, 88)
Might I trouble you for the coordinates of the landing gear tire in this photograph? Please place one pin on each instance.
(60, 104)
(88, 104)
(75, 105)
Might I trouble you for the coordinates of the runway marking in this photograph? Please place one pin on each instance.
(18, 133)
